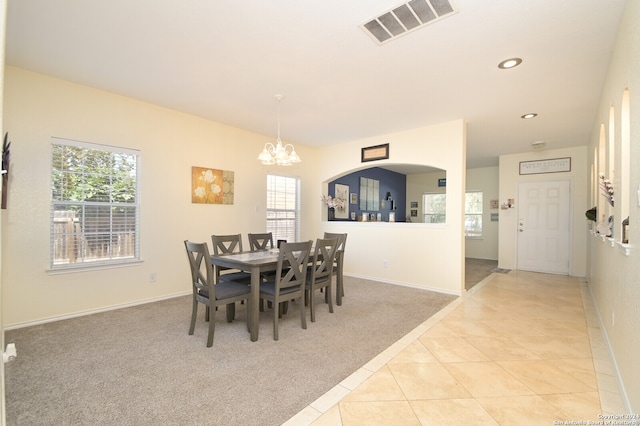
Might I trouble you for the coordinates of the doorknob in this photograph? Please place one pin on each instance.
(520, 230)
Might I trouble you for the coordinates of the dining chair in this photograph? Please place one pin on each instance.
(339, 264)
(207, 291)
(320, 272)
(289, 280)
(224, 244)
(261, 241)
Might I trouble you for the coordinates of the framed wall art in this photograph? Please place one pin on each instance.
(211, 186)
(342, 192)
(373, 153)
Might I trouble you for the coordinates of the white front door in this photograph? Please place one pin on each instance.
(544, 216)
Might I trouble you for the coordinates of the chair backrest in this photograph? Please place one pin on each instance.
(260, 241)
(223, 244)
(292, 265)
(342, 242)
(201, 269)
(323, 258)
(342, 239)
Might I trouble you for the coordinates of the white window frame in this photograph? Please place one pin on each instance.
(473, 211)
(74, 238)
(434, 205)
(283, 207)
(434, 211)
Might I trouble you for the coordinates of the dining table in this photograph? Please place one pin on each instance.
(255, 262)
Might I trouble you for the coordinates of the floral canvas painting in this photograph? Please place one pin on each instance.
(342, 193)
(211, 186)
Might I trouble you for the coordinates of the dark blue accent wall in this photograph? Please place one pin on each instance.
(395, 183)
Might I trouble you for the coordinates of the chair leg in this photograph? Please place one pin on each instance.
(212, 324)
(330, 299)
(303, 314)
(206, 313)
(231, 311)
(275, 323)
(312, 304)
(194, 314)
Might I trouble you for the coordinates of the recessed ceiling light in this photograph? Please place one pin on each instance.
(509, 63)
(528, 116)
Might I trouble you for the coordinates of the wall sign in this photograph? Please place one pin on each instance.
(442, 182)
(553, 165)
(373, 153)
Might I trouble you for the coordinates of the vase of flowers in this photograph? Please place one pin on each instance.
(333, 204)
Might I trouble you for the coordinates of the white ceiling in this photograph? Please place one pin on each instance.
(225, 61)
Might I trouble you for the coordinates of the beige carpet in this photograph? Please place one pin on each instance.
(138, 366)
(477, 269)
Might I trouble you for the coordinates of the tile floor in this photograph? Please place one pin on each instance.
(518, 349)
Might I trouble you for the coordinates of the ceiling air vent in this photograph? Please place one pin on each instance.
(405, 18)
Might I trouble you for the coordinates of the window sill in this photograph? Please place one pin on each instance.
(92, 267)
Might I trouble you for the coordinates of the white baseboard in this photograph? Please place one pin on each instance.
(612, 358)
(94, 311)
(404, 284)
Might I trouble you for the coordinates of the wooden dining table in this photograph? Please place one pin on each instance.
(255, 262)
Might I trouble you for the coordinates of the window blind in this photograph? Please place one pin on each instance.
(283, 207)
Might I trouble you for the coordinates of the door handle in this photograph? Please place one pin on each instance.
(521, 230)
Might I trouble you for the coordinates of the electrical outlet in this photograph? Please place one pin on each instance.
(385, 263)
(152, 277)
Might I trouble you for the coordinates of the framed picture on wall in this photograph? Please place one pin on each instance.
(373, 153)
(354, 198)
(342, 192)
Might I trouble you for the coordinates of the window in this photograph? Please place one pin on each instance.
(473, 214)
(283, 207)
(435, 208)
(94, 204)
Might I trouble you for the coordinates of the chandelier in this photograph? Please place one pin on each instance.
(282, 155)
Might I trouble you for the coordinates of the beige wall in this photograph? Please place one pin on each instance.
(614, 278)
(484, 179)
(509, 181)
(419, 184)
(3, 13)
(38, 107)
(415, 254)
